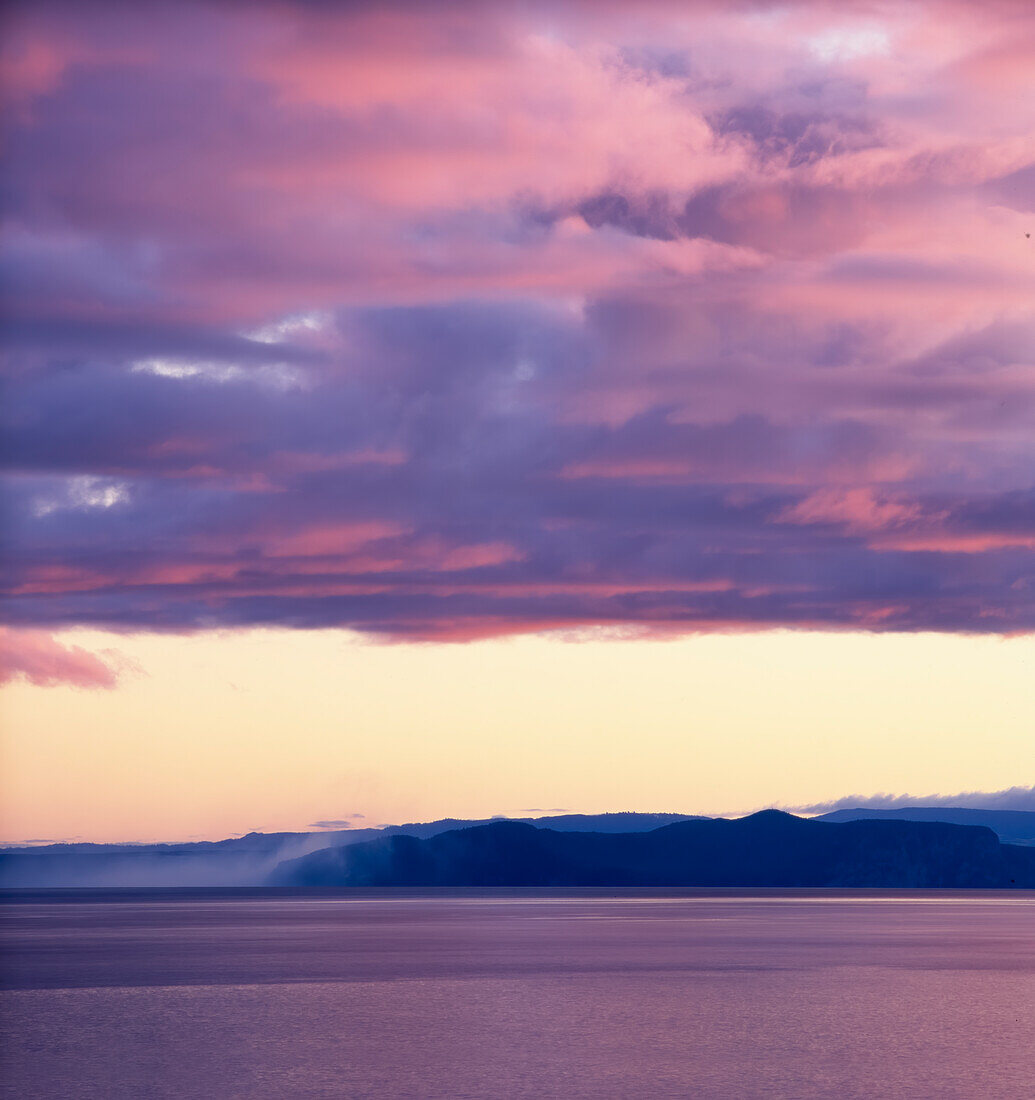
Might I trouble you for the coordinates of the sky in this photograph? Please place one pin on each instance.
(424, 409)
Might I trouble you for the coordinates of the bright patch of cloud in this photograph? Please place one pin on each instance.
(849, 43)
(84, 492)
(274, 375)
(297, 324)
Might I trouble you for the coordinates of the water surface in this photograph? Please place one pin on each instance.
(518, 994)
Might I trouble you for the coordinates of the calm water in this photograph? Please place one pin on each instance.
(492, 994)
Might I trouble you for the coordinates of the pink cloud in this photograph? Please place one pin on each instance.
(330, 539)
(948, 542)
(856, 509)
(40, 659)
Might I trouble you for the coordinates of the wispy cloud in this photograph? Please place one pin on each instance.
(1011, 798)
(346, 822)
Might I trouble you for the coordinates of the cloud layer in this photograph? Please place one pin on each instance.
(651, 318)
(1012, 798)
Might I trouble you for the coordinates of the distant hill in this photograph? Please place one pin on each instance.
(770, 848)
(245, 860)
(563, 823)
(1011, 826)
(586, 849)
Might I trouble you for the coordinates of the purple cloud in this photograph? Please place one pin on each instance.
(616, 328)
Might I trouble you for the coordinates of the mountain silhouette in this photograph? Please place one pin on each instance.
(770, 848)
(590, 849)
(1011, 826)
(245, 860)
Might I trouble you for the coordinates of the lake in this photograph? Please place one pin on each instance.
(502, 994)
